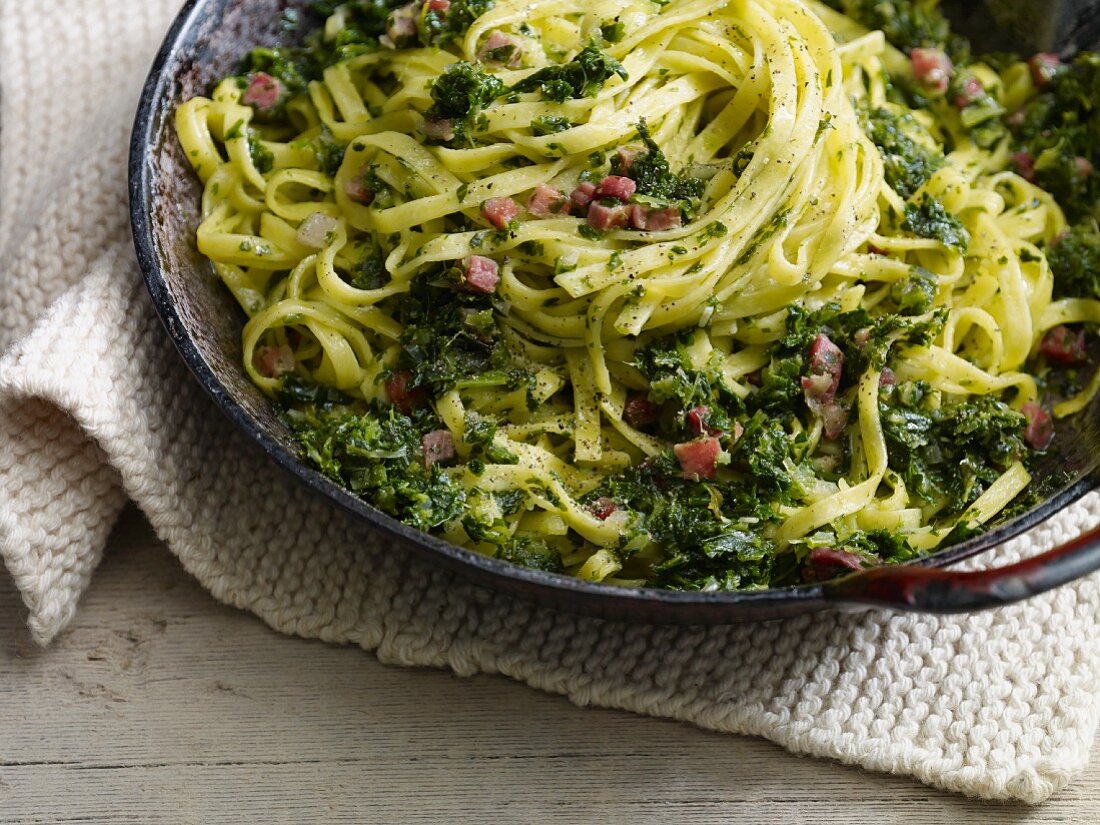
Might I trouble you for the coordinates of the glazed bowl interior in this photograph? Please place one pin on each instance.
(206, 43)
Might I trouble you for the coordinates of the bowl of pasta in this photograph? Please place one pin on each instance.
(679, 311)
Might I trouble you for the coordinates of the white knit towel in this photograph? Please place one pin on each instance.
(95, 407)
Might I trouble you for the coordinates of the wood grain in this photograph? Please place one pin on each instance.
(161, 706)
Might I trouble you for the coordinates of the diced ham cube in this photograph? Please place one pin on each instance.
(1084, 166)
(401, 395)
(824, 563)
(627, 158)
(602, 508)
(273, 362)
(654, 219)
(314, 230)
(439, 5)
(438, 445)
(357, 190)
(400, 26)
(1039, 430)
(616, 186)
(886, 378)
(931, 68)
(1044, 67)
(696, 418)
(821, 385)
(1063, 345)
(1025, 164)
(263, 92)
(481, 275)
(607, 217)
(972, 89)
(439, 129)
(639, 411)
(498, 45)
(546, 201)
(499, 211)
(699, 458)
(583, 195)
(835, 418)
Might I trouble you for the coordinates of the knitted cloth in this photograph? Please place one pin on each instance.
(95, 408)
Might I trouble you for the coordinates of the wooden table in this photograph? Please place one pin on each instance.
(160, 705)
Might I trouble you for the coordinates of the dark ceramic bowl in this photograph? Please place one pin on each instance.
(205, 43)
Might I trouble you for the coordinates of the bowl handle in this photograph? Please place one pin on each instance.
(917, 589)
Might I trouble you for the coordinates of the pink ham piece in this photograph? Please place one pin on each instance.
(639, 411)
(1064, 346)
(627, 158)
(886, 378)
(972, 89)
(583, 195)
(653, 219)
(481, 276)
(499, 40)
(821, 385)
(826, 563)
(499, 211)
(616, 186)
(273, 362)
(401, 395)
(602, 508)
(1039, 430)
(696, 419)
(931, 68)
(1084, 166)
(400, 26)
(1025, 165)
(438, 445)
(357, 190)
(439, 129)
(314, 230)
(546, 201)
(263, 92)
(699, 458)
(439, 5)
(607, 217)
(1044, 67)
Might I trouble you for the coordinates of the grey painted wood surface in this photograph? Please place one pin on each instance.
(161, 706)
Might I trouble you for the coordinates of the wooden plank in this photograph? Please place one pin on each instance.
(162, 706)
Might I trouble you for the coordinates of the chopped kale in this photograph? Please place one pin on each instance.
(292, 67)
(908, 164)
(328, 152)
(440, 27)
(479, 433)
(459, 95)
(582, 76)
(549, 124)
(262, 158)
(915, 294)
(450, 336)
(949, 455)
(1060, 130)
(528, 551)
(612, 32)
(376, 453)
(672, 377)
(907, 24)
(929, 219)
(1075, 262)
(650, 170)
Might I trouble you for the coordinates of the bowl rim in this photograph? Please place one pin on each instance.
(156, 103)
